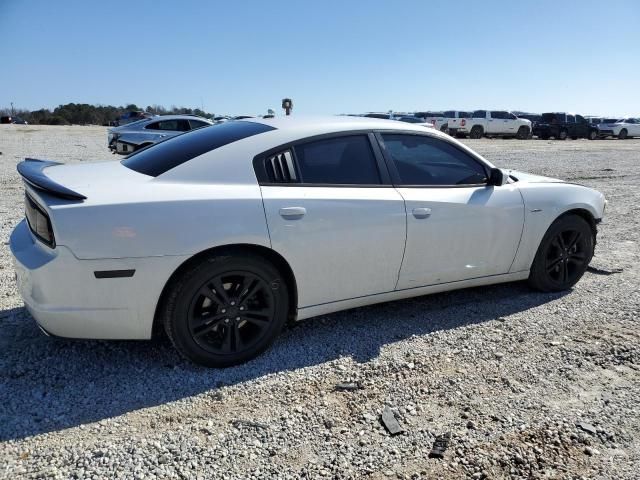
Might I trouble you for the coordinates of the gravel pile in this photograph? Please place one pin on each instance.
(528, 385)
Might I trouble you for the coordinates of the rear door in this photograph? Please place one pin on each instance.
(458, 227)
(333, 214)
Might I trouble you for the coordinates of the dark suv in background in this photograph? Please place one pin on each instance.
(560, 125)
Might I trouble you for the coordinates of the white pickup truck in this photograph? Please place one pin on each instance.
(493, 123)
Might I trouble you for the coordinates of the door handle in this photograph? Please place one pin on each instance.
(422, 212)
(293, 213)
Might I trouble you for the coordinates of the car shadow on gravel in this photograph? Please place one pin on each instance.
(49, 384)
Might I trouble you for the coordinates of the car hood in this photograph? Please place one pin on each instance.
(531, 178)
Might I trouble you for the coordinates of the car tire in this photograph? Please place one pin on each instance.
(544, 137)
(523, 133)
(476, 132)
(444, 128)
(593, 135)
(230, 324)
(574, 138)
(563, 255)
(562, 135)
(623, 134)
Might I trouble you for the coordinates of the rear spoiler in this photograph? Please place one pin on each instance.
(32, 171)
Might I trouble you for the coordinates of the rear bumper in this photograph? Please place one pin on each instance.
(66, 299)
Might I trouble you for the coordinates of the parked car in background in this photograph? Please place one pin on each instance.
(454, 120)
(623, 128)
(532, 117)
(561, 125)
(221, 236)
(134, 136)
(498, 123)
(130, 117)
(415, 121)
(13, 120)
(437, 119)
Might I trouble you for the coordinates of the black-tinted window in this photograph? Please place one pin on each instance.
(383, 116)
(498, 114)
(480, 114)
(164, 156)
(339, 160)
(422, 160)
(198, 124)
(580, 119)
(172, 125)
(464, 114)
(450, 114)
(571, 119)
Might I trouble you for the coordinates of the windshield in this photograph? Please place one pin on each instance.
(164, 156)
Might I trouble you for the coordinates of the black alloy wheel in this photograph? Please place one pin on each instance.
(226, 309)
(623, 134)
(231, 312)
(564, 254)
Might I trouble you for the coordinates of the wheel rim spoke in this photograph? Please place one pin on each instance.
(576, 237)
(206, 324)
(554, 264)
(250, 292)
(220, 291)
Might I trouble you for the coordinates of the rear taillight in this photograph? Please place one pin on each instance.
(463, 122)
(38, 221)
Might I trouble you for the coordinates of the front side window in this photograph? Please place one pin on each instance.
(571, 119)
(347, 160)
(423, 160)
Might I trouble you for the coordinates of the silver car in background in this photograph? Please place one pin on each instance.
(134, 136)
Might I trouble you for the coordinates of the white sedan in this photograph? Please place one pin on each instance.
(623, 128)
(222, 235)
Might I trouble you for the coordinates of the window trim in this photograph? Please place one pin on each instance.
(395, 176)
(263, 177)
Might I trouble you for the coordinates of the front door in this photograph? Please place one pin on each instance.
(340, 227)
(458, 227)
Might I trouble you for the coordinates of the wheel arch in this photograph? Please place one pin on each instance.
(234, 249)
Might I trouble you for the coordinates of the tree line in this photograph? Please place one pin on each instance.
(85, 114)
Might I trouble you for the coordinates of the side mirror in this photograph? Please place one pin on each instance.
(497, 177)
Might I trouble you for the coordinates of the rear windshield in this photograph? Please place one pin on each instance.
(175, 151)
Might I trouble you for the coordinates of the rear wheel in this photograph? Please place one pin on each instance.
(226, 310)
(476, 132)
(562, 135)
(623, 134)
(593, 135)
(444, 128)
(563, 255)
(523, 133)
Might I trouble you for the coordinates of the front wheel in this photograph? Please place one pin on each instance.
(593, 135)
(476, 132)
(523, 133)
(226, 310)
(563, 255)
(562, 135)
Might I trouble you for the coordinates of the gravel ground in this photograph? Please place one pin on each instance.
(529, 385)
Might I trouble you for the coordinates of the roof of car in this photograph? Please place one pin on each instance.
(334, 123)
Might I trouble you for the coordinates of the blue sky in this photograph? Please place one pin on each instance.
(329, 56)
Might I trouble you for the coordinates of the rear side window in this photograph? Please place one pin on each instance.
(428, 161)
(175, 125)
(479, 114)
(198, 124)
(164, 156)
(347, 160)
(499, 115)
